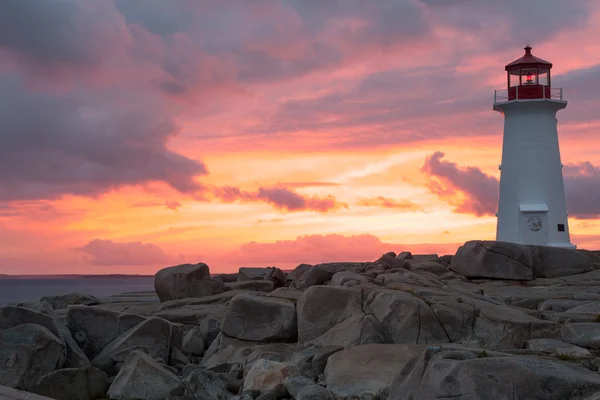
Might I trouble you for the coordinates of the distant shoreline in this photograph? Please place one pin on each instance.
(72, 276)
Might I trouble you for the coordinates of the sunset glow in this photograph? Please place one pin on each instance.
(143, 134)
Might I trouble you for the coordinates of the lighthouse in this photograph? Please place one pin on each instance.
(532, 205)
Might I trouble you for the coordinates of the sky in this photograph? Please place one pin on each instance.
(141, 134)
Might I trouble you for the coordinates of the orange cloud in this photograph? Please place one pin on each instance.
(384, 202)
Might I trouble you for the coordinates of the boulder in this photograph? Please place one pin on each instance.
(321, 308)
(492, 259)
(13, 316)
(193, 342)
(253, 285)
(583, 334)
(153, 336)
(94, 328)
(28, 352)
(7, 393)
(202, 384)
(183, 281)
(320, 358)
(340, 278)
(433, 267)
(550, 262)
(141, 378)
(260, 319)
(408, 278)
(63, 301)
(557, 347)
(193, 314)
(294, 383)
(586, 308)
(461, 373)
(389, 261)
(273, 274)
(229, 354)
(87, 383)
(228, 278)
(313, 276)
(313, 392)
(294, 276)
(405, 255)
(406, 319)
(267, 376)
(287, 293)
(367, 369)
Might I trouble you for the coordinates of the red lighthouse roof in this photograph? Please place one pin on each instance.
(528, 61)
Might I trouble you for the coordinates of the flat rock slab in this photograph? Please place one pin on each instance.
(367, 369)
(455, 372)
(258, 319)
(557, 347)
(7, 393)
(496, 260)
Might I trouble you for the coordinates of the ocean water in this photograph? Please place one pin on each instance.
(30, 290)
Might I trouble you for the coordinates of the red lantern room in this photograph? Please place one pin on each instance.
(529, 77)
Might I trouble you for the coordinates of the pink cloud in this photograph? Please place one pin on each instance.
(314, 249)
(447, 180)
(281, 198)
(474, 192)
(109, 253)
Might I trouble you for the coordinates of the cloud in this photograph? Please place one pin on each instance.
(119, 75)
(468, 189)
(474, 192)
(280, 197)
(582, 189)
(172, 204)
(384, 202)
(86, 143)
(67, 33)
(315, 249)
(109, 253)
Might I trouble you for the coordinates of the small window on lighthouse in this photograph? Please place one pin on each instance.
(543, 77)
(529, 76)
(561, 227)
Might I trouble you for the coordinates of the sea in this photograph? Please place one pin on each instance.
(17, 290)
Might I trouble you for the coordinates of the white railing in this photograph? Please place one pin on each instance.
(501, 95)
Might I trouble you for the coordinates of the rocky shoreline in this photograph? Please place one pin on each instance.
(493, 321)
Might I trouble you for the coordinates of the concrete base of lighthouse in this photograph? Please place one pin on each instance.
(532, 205)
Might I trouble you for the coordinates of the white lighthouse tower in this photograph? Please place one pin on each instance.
(532, 207)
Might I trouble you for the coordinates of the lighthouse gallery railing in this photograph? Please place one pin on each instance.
(501, 95)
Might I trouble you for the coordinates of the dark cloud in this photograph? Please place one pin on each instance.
(108, 253)
(582, 189)
(285, 199)
(510, 22)
(280, 197)
(108, 127)
(86, 143)
(474, 192)
(447, 180)
(73, 33)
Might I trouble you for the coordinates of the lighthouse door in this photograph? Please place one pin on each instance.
(534, 227)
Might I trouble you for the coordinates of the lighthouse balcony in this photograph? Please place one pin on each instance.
(529, 92)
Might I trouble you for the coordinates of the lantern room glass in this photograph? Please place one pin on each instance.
(529, 76)
(514, 78)
(543, 77)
